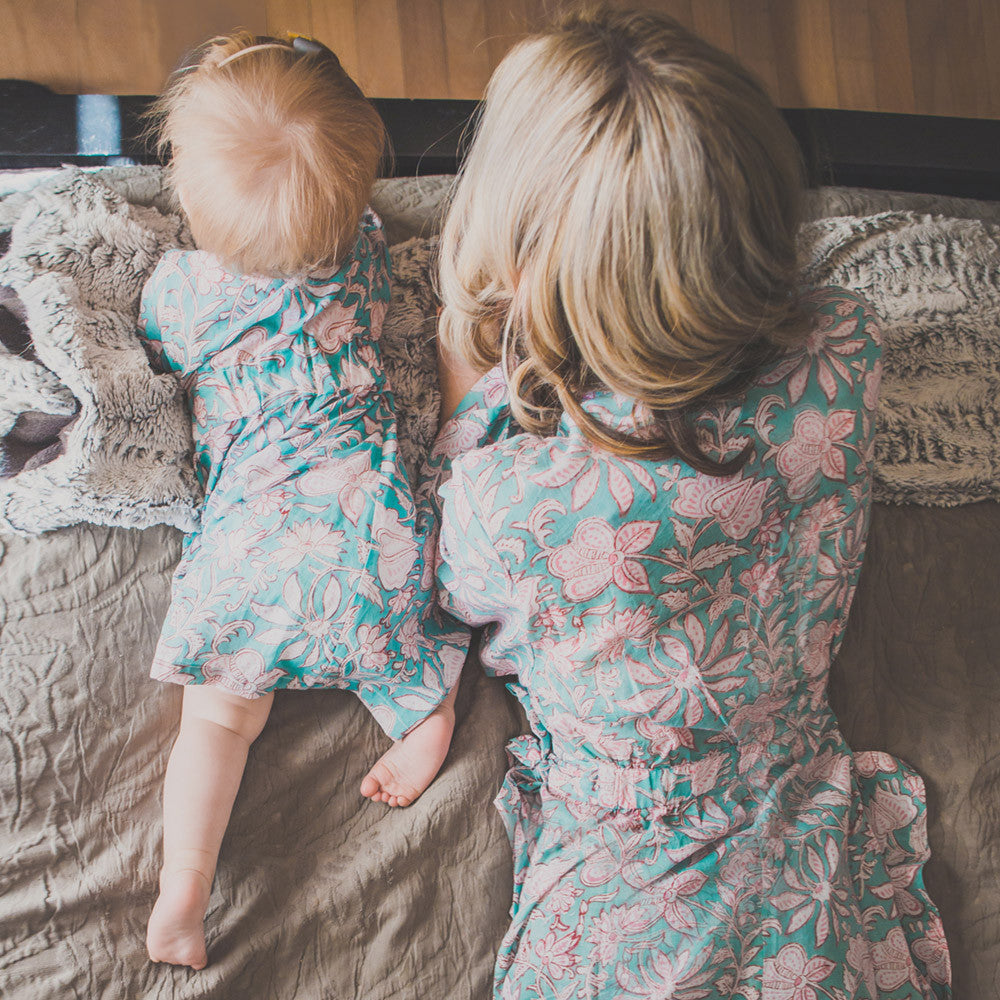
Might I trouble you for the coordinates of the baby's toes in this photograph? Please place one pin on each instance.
(384, 784)
(380, 783)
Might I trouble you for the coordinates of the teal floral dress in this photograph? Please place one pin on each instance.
(686, 818)
(308, 568)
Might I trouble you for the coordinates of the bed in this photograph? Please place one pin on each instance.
(322, 894)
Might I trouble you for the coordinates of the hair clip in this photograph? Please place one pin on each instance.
(306, 46)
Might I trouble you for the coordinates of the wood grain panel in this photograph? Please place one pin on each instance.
(380, 53)
(465, 42)
(927, 22)
(752, 32)
(893, 66)
(506, 22)
(713, 20)
(854, 58)
(100, 28)
(970, 80)
(289, 15)
(177, 28)
(31, 50)
(334, 22)
(683, 10)
(425, 59)
(802, 35)
(917, 56)
(991, 38)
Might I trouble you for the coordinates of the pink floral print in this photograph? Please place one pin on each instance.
(813, 450)
(598, 555)
(686, 819)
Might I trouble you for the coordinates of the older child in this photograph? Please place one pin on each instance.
(666, 559)
(307, 569)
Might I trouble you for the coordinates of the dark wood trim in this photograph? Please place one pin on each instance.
(957, 156)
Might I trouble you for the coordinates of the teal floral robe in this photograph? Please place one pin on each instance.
(308, 568)
(686, 818)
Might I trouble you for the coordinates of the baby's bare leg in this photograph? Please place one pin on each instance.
(203, 774)
(405, 770)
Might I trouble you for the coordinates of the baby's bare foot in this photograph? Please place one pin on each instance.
(176, 932)
(410, 765)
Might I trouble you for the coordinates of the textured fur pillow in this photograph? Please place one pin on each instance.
(935, 284)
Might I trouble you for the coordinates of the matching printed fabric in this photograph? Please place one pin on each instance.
(686, 818)
(308, 569)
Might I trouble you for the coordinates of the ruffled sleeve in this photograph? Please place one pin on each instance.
(474, 583)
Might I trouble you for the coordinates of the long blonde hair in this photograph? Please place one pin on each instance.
(625, 219)
(274, 151)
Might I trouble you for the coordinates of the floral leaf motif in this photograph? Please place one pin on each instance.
(893, 964)
(331, 597)
(334, 327)
(676, 911)
(540, 519)
(814, 448)
(597, 555)
(585, 487)
(720, 637)
(620, 488)
(696, 633)
(632, 577)
(582, 563)
(789, 976)
(397, 550)
(635, 536)
(714, 554)
(736, 505)
(800, 917)
(642, 476)
(674, 599)
(563, 468)
(889, 811)
(352, 502)
(683, 532)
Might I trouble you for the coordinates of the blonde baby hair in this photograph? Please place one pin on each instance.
(625, 218)
(274, 151)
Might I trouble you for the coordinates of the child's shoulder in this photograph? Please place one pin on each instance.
(178, 264)
(837, 356)
(165, 266)
(839, 315)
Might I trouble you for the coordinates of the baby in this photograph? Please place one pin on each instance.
(307, 569)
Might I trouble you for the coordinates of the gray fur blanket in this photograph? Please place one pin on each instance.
(88, 432)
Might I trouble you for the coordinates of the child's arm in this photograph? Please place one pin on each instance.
(148, 325)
